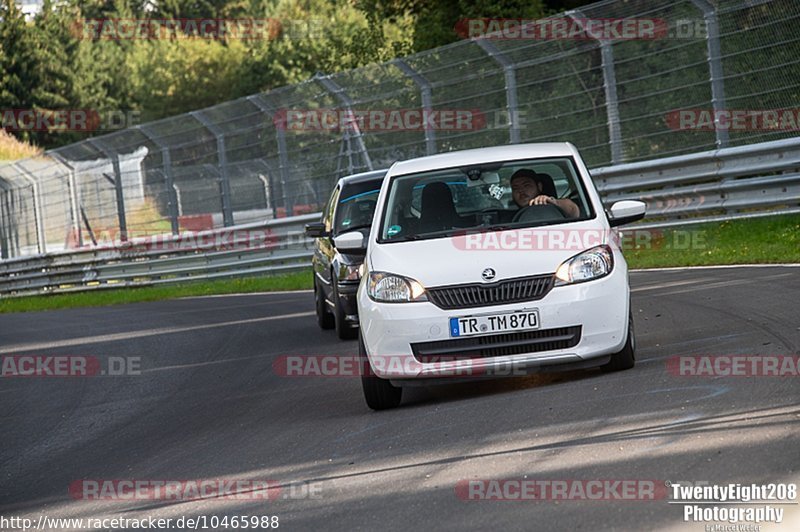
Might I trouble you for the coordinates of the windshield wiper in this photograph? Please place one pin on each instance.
(423, 236)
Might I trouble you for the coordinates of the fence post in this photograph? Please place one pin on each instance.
(41, 244)
(123, 222)
(222, 159)
(714, 48)
(510, 74)
(74, 196)
(169, 182)
(609, 88)
(345, 150)
(172, 203)
(612, 102)
(283, 164)
(340, 94)
(5, 221)
(11, 236)
(425, 94)
(283, 156)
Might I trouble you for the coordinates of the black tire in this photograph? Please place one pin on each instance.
(380, 394)
(344, 330)
(626, 358)
(325, 319)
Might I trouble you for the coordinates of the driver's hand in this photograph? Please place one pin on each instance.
(542, 199)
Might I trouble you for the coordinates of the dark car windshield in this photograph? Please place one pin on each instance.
(443, 202)
(356, 205)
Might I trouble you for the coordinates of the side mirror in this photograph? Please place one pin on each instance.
(626, 211)
(316, 230)
(350, 241)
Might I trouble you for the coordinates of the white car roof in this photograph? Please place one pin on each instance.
(483, 155)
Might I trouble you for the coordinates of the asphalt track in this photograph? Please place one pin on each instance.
(208, 404)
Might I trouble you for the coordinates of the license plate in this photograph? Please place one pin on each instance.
(521, 320)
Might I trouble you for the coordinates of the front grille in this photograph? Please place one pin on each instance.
(480, 295)
(514, 343)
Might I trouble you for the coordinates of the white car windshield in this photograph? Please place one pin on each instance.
(491, 196)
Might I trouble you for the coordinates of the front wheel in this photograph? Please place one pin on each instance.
(626, 358)
(380, 394)
(344, 330)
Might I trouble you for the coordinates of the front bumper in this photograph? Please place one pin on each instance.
(348, 300)
(598, 308)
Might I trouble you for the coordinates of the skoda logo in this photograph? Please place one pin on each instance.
(488, 274)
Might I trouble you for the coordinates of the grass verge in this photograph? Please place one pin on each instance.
(12, 149)
(290, 281)
(774, 239)
(760, 240)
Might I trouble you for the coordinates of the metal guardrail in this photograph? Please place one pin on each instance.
(275, 246)
(742, 182)
(748, 181)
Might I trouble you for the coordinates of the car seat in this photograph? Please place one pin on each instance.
(438, 212)
(547, 185)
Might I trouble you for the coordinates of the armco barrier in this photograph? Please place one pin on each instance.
(748, 181)
(259, 248)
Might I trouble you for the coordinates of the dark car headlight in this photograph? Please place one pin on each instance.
(350, 272)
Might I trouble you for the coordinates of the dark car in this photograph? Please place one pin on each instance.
(337, 273)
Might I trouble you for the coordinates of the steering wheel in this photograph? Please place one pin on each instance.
(538, 213)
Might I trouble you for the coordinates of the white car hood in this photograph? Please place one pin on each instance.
(512, 253)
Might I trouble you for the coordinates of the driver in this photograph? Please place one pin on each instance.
(526, 189)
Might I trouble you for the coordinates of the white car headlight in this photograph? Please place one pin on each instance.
(591, 264)
(390, 288)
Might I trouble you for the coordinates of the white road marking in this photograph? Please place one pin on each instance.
(116, 337)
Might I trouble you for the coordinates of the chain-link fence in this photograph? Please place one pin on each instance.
(276, 154)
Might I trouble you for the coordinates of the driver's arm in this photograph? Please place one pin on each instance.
(566, 205)
(569, 207)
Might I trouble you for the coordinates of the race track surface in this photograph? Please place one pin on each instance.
(208, 404)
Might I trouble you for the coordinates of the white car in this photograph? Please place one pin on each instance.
(489, 262)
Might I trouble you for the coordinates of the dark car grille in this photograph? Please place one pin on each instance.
(514, 343)
(479, 295)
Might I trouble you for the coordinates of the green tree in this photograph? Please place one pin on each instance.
(103, 71)
(202, 9)
(54, 50)
(178, 76)
(16, 60)
(95, 9)
(38, 66)
(435, 22)
(320, 36)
